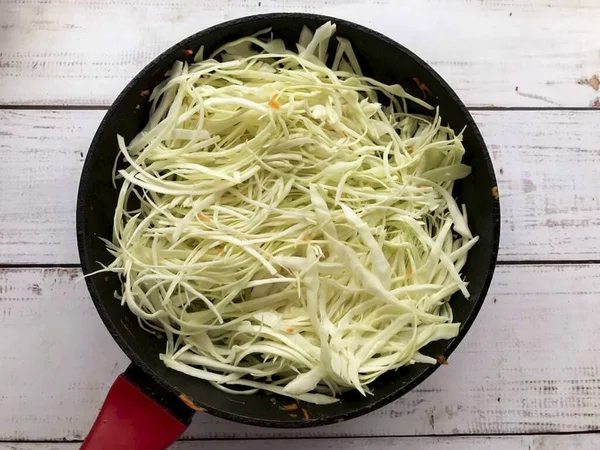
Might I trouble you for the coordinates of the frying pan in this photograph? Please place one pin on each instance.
(149, 406)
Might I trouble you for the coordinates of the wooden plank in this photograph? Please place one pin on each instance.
(549, 210)
(549, 182)
(502, 53)
(43, 152)
(538, 442)
(529, 364)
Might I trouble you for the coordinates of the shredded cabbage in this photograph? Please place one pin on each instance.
(282, 228)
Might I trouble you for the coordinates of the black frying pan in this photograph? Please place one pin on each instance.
(149, 405)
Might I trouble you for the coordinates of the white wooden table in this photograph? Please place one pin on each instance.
(526, 377)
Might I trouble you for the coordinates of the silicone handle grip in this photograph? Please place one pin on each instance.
(131, 420)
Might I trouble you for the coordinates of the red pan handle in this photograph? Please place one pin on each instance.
(138, 414)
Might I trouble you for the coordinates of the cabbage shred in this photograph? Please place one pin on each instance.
(291, 234)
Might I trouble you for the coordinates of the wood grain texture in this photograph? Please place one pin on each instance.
(528, 365)
(493, 53)
(542, 442)
(549, 182)
(42, 155)
(546, 163)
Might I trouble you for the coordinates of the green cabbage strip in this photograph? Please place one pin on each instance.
(290, 234)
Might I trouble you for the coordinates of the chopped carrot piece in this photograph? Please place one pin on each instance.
(144, 93)
(273, 103)
(422, 87)
(289, 330)
(409, 273)
(188, 51)
(290, 407)
(305, 414)
(442, 360)
(204, 217)
(190, 404)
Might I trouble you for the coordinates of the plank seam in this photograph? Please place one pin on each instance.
(298, 438)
